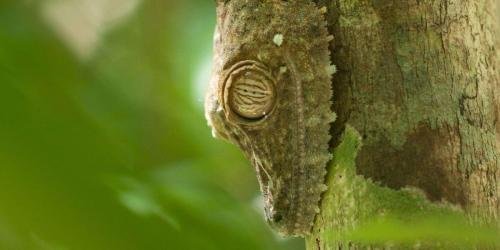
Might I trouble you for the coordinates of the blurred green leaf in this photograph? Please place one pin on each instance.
(447, 229)
(113, 151)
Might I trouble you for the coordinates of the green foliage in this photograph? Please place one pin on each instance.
(112, 151)
(445, 230)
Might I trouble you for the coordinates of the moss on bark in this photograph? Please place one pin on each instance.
(419, 80)
(357, 213)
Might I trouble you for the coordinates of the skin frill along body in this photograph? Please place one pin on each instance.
(270, 94)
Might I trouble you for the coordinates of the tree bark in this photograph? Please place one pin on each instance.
(419, 81)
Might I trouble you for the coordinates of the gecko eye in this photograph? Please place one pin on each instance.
(249, 91)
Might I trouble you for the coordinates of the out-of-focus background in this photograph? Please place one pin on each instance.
(103, 142)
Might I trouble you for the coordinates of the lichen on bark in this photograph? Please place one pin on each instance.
(353, 205)
(419, 80)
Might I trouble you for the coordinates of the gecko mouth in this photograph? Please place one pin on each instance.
(277, 204)
(277, 221)
(282, 211)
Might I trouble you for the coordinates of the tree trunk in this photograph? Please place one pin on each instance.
(419, 81)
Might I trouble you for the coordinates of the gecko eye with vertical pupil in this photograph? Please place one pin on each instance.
(249, 90)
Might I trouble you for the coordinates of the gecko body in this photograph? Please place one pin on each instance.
(270, 94)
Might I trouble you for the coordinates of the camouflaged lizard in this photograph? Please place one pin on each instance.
(270, 94)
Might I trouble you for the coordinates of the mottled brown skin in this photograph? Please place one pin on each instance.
(289, 147)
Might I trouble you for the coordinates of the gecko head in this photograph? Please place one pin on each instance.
(270, 95)
(247, 109)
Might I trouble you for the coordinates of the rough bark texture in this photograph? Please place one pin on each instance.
(419, 80)
(357, 213)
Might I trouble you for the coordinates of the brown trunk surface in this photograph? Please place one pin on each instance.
(419, 80)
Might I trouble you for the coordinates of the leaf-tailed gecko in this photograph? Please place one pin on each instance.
(270, 94)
